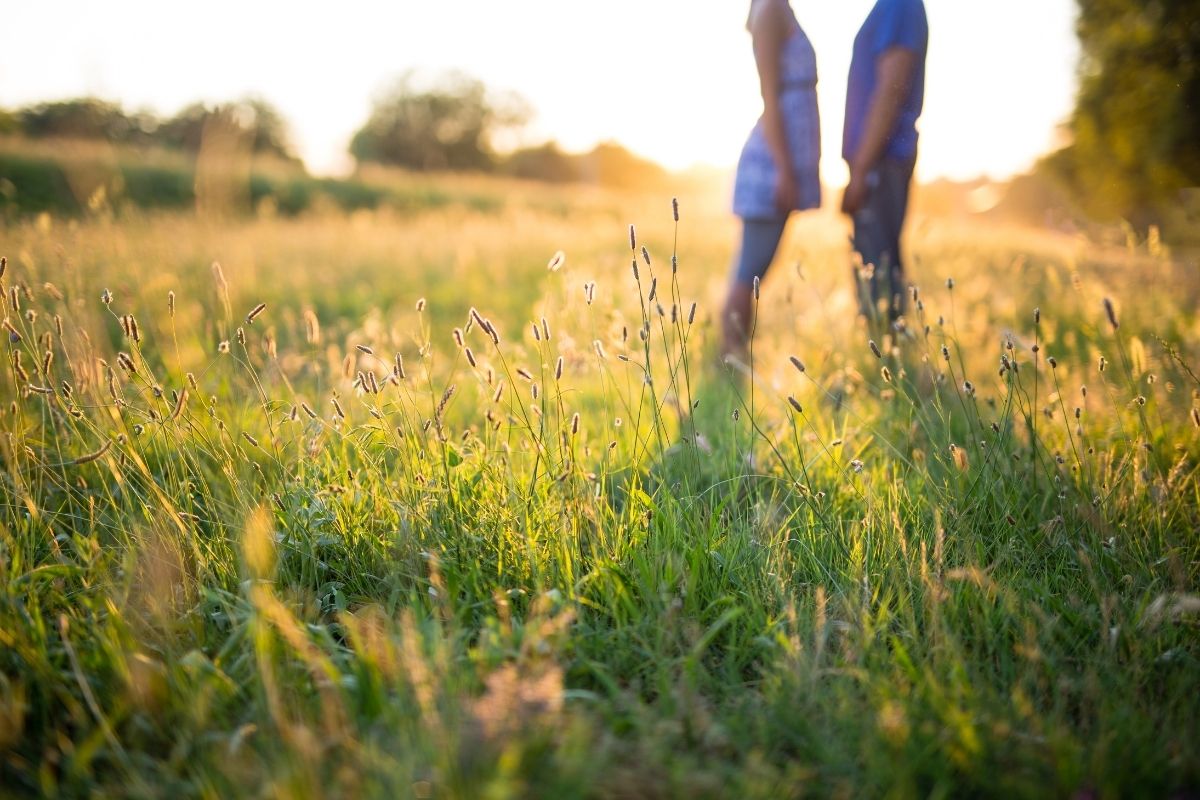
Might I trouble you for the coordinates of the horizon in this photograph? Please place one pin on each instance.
(634, 78)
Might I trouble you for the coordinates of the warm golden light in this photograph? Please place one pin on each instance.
(673, 80)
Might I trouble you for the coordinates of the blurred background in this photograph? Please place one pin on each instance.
(1053, 112)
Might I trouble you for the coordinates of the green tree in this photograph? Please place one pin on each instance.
(256, 122)
(1136, 125)
(449, 124)
(85, 118)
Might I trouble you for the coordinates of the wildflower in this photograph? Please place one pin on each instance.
(856, 465)
(223, 347)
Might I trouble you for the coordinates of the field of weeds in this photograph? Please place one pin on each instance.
(384, 505)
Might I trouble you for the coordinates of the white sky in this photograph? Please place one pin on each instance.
(673, 80)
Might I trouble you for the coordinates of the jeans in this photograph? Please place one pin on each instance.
(877, 227)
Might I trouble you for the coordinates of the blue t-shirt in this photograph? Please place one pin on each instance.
(891, 23)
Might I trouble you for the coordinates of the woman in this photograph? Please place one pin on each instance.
(777, 173)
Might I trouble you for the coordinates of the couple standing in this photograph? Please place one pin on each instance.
(778, 169)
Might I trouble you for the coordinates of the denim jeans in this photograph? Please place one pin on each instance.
(877, 227)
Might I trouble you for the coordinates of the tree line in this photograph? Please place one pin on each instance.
(448, 123)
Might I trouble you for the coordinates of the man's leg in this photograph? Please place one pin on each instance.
(877, 228)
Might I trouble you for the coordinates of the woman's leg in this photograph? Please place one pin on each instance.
(760, 240)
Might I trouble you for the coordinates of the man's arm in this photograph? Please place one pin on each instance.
(895, 71)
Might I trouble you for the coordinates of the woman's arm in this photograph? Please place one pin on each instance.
(769, 29)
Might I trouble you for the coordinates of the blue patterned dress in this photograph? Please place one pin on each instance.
(754, 186)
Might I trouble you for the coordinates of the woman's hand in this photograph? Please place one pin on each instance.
(787, 192)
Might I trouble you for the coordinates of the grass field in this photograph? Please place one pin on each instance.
(362, 542)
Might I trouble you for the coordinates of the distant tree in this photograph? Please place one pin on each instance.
(9, 124)
(1136, 126)
(85, 118)
(260, 127)
(610, 164)
(449, 124)
(545, 162)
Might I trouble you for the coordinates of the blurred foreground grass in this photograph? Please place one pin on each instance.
(363, 542)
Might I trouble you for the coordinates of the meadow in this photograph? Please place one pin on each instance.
(407, 503)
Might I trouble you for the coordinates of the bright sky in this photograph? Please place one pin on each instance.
(673, 80)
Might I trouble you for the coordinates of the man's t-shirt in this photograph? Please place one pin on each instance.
(891, 23)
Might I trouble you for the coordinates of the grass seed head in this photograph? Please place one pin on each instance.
(1111, 313)
(632, 239)
(3, 266)
(254, 313)
(675, 208)
(420, 305)
(1196, 417)
(558, 369)
(470, 356)
(797, 363)
(795, 404)
(874, 348)
(171, 303)
(556, 261)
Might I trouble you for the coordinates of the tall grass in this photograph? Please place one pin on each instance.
(437, 520)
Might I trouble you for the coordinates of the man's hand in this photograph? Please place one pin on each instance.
(855, 196)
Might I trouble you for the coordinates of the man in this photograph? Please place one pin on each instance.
(884, 98)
